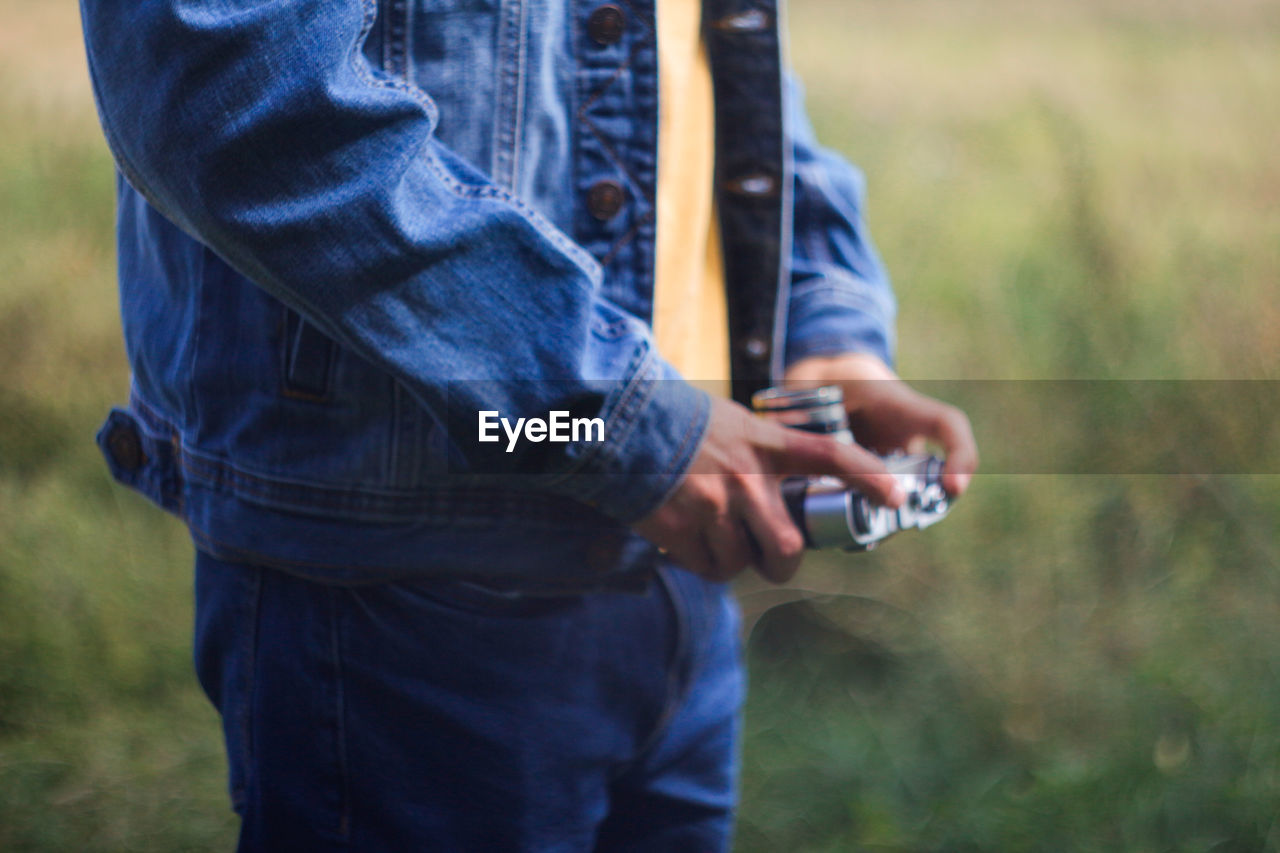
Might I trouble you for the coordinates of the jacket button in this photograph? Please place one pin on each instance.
(755, 348)
(605, 199)
(606, 24)
(125, 447)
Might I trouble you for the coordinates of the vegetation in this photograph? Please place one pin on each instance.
(1064, 190)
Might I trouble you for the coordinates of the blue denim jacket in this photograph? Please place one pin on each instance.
(345, 226)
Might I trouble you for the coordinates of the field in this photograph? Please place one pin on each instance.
(1080, 191)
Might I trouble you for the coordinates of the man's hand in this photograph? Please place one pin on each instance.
(886, 414)
(728, 512)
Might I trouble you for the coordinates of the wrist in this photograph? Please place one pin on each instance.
(835, 369)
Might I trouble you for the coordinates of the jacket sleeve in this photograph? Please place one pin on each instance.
(258, 127)
(841, 300)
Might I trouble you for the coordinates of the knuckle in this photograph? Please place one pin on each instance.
(743, 461)
(790, 543)
(708, 504)
(739, 480)
(828, 454)
(951, 418)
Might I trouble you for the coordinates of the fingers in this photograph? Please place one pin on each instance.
(701, 528)
(779, 543)
(759, 533)
(810, 455)
(951, 429)
(691, 552)
(731, 549)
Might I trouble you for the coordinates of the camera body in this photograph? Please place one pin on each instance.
(832, 516)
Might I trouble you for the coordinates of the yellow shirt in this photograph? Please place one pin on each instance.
(690, 315)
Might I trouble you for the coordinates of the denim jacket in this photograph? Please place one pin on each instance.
(347, 226)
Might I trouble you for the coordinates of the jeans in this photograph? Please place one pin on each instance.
(444, 716)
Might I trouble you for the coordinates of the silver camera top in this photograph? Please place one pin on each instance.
(831, 515)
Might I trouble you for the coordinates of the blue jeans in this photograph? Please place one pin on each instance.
(441, 716)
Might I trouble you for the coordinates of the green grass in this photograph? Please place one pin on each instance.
(1062, 190)
(1083, 191)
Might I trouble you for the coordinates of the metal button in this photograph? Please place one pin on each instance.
(750, 21)
(605, 199)
(606, 24)
(755, 348)
(125, 446)
(759, 184)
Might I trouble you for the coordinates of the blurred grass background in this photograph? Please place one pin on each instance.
(1062, 190)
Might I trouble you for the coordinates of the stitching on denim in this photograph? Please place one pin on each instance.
(626, 238)
(358, 65)
(218, 474)
(829, 293)
(206, 542)
(459, 506)
(639, 393)
(280, 494)
(679, 461)
(678, 458)
(645, 195)
(193, 399)
(611, 329)
(637, 45)
(621, 417)
(782, 298)
(520, 75)
(644, 20)
(248, 749)
(387, 58)
(625, 416)
(834, 345)
(398, 29)
(197, 467)
(209, 543)
(676, 691)
(545, 228)
(510, 96)
(548, 230)
(274, 492)
(609, 150)
(410, 68)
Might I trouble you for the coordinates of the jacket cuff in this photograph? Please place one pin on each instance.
(652, 432)
(836, 314)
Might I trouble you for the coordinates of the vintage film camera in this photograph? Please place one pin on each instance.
(830, 515)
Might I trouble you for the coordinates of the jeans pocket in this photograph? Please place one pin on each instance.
(478, 601)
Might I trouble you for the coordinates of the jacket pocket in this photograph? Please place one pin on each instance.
(309, 357)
